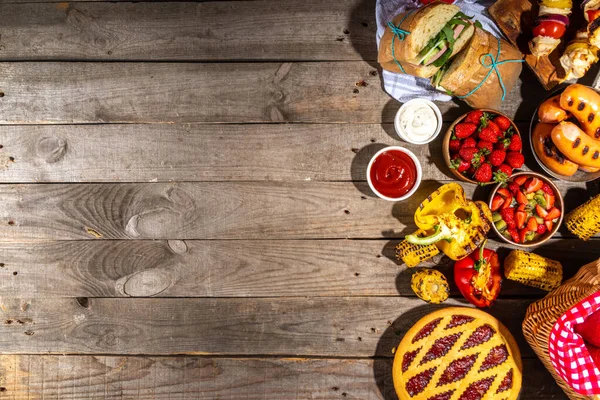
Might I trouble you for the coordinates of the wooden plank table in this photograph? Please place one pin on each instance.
(184, 209)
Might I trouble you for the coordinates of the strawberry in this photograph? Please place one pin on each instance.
(552, 214)
(521, 218)
(488, 134)
(541, 229)
(550, 200)
(483, 173)
(540, 211)
(507, 202)
(523, 234)
(520, 180)
(495, 128)
(589, 329)
(521, 198)
(533, 185)
(474, 117)
(546, 188)
(469, 154)
(497, 157)
(497, 201)
(515, 235)
(501, 145)
(521, 208)
(515, 143)
(532, 224)
(464, 130)
(486, 146)
(471, 171)
(469, 142)
(459, 164)
(454, 145)
(515, 159)
(513, 188)
(504, 192)
(502, 173)
(508, 215)
(502, 122)
(549, 225)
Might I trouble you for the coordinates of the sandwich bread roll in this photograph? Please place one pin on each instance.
(422, 46)
(465, 72)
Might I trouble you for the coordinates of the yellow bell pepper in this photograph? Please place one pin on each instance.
(557, 3)
(457, 226)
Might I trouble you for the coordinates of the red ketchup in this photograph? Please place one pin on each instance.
(393, 173)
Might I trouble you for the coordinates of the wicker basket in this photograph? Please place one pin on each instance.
(543, 314)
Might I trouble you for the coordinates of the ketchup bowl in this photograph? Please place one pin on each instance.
(394, 173)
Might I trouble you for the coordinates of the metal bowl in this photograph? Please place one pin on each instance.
(580, 176)
(560, 204)
(446, 145)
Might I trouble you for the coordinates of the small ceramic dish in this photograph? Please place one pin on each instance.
(421, 120)
(418, 172)
(559, 204)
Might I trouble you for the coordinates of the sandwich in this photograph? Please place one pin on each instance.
(437, 32)
(467, 77)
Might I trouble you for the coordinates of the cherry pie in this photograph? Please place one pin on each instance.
(457, 353)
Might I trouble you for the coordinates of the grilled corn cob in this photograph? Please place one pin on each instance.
(414, 254)
(584, 221)
(533, 270)
(430, 286)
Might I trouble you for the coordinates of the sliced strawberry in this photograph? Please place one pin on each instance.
(513, 188)
(522, 234)
(521, 207)
(521, 217)
(532, 224)
(520, 180)
(515, 235)
(552, 214)
(549, 225)
(540, 211)
(504, 192)
(550, 200)
(534, 185)
(521, 198)
(507, 202)
(497, 201)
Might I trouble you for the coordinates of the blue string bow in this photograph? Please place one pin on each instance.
(399, 33)
(492, 65)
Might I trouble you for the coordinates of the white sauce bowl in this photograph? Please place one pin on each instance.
(411, 103)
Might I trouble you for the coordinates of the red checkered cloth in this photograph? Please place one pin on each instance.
(568, 353)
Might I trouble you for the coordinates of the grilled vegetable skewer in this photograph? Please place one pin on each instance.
(550, 27)
(579, 56)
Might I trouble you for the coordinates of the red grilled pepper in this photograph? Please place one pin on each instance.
(478, 277)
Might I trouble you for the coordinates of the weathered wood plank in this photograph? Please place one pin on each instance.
(205, 31)
(336, 326)
(51, 92)
(237, 268)
(77, 377)
(215, 210)
(200, 152)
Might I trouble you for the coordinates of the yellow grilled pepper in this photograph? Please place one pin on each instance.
(457, 226)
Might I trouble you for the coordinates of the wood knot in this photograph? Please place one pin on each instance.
(177, 246)
(51, 149)
(94, 233)
(146, 283)
(83, 302)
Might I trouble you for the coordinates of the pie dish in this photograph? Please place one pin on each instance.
(457, 353)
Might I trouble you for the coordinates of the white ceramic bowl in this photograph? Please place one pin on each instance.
(400, 132)
(417, 165)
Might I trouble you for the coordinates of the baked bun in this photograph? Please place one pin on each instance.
(424, 24)
(465, 71)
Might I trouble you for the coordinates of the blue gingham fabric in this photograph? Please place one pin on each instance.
(405, 87)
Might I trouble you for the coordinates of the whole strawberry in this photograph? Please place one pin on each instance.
(488, 134)
(515, 159)
(497, 157)
(459, 164)
(502, 122)
(483, 173)
(486, 146)
(501, 145)
(495, 128)
(515, 143)
(464, 130)
(469, 142)
(454, 145)
(474, 117)
(513, 188)
(502, 173)
(471, 154)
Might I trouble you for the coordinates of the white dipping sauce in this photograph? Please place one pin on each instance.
(418, 121)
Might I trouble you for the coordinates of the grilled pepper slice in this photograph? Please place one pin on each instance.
(457, 226)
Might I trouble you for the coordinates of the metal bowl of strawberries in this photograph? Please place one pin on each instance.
(527, 210)
(483, 147)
